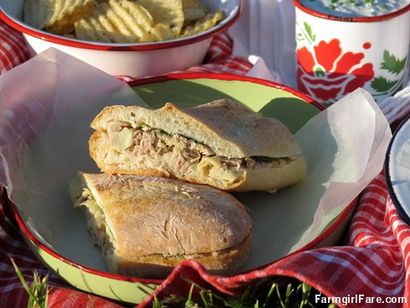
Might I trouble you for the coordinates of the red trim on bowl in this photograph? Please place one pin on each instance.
(342, 216)
(384, 17)
(26, 231)
(311, 245)
(61, 40)
(178, 76)
(228, 77)
(23, 227)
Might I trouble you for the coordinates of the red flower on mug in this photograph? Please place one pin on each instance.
(329, 74)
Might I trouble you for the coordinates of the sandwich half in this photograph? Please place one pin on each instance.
(145, 226)
(223, 144)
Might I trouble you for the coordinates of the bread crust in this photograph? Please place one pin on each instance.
(272, 179)
(230, 128)
(226, 262)
(158, 222)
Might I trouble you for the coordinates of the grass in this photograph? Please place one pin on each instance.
(283, 292)
(37, 290)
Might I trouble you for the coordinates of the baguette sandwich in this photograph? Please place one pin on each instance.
(145, 226)
(223, 144)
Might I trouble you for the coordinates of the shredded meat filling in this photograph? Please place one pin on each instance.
(149, 140)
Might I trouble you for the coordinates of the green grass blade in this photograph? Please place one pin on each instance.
(38, 291)
(269, 295)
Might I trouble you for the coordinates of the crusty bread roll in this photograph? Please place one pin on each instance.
(222, 144)
(147, 225)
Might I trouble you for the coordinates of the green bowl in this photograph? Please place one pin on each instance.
(57, 232)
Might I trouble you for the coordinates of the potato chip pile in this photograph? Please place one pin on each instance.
(121, 21)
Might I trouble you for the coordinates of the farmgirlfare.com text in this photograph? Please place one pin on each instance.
(359, 299)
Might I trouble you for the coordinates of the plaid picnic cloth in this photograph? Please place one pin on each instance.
(373, 262)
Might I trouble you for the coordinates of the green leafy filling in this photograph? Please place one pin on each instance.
(84, 197)
(264, 159)
(170, 134)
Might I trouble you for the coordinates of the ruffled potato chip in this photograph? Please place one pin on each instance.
(166, 12)
(115, 21)
(121, 21)
(193, 10)
(206, 23)
(56, 16)
(162, 32)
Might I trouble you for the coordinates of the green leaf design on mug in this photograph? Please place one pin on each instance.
(392, 64)
(381, 84)
(309, 32)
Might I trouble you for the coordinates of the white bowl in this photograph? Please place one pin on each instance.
(136, 60)
(397, 170)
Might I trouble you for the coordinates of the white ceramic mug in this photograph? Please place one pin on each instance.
(336, 55)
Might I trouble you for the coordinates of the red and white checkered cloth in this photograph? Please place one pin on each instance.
(373, 262)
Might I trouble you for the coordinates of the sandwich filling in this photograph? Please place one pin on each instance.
(183, 155)
(96, 219)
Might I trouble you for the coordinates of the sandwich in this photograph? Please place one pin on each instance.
(145, 226)
(223, 144)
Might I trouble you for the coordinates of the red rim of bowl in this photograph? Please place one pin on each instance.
(61, 40)
(227, 77)
(384, 17)
(163, 78)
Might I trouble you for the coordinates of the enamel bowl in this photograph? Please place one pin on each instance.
(135, 60)
(57, 232)
(397, 170)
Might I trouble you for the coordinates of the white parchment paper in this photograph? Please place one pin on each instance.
(45, 90)
(347, 164)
